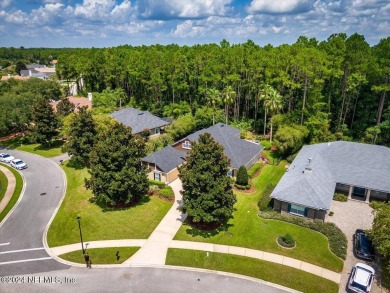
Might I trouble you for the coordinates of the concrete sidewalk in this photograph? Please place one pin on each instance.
(154, 251)
(10, 187)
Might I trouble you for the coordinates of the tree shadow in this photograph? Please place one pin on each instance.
(121, 207)
(75, 164)
(206, 230)
(46, 147)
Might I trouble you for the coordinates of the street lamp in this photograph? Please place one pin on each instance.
(81, 235)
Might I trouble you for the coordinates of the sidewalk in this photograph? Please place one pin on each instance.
(154, 251)
(10, 187)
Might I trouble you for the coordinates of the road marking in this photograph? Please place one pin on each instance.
(24, 260)
(22, 250)
(1, 244)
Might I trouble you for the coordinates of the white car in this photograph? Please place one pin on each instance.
(361, 278)
(18, 164)
(4, 157)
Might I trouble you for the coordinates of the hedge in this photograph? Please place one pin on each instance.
(158, 183)
(242, 187)
(265, 200)
(252, 171)
(340, 197)
(167, 192)
(337, 240)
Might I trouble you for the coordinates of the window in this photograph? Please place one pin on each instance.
(297, 210)
(157, 130)
(230, 173)
(157, 176)
(186, 145)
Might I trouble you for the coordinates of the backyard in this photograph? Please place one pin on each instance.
(246, 229)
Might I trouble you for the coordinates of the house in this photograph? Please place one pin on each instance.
(239, 151)
(39, 72)
(78, 102)
(9, 76)
(360, 170)
(140, 120)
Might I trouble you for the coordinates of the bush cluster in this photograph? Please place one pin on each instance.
(340, 197)
(266, 144)
(158, 183)
(337, 240)
(252, 171)
(167, 192)
(286, 240)
(242, 187)
(152, 189)
(264, 202)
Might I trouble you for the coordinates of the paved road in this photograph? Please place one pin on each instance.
(21, 244)
(135, 280)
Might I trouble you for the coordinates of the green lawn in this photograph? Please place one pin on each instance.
(99, 223)
(101, 255)
(16, 194)
(272, 156)
(3, 185)
(42, 150)
(246, 229)
(264, 270)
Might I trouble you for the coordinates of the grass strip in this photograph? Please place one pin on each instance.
(3, 185)
(101, 255)
(271, 272)
(15, 195)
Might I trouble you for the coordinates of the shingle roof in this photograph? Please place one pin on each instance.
(239, 151)
(167, 158)
(138, 120)
(350, 163)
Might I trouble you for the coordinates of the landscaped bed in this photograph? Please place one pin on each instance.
(246, 229)
(99, 222)
(271, 272)
(101, 255)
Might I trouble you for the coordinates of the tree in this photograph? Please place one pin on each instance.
(272, 105)
(228, 95)
(20, 66)
(117, 174)
(81, 136)
(207, 192)
(45, 121)
(214, 99)
(289, 139)
(65, 107)
(380, 231)
(242, 176)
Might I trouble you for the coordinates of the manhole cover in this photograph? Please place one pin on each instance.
(43, 193)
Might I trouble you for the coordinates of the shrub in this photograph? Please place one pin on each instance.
(248, 186)
(266, 144)
(340, 197)
(264, 202)
(242, 176)
(152, 189)
(337, 240)
(167, 192)
(286, 241)
(243, 135)
(158, 183)
(241, 187)
(331, 213)
(252, 171)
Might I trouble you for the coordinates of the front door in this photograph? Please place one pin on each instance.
(358, 191)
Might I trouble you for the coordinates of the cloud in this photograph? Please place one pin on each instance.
(186, 9)
(278, 6)
(5, 3)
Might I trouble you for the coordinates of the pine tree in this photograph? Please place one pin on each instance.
(117, 175)
(45, 121)
(242, 176)
(207, 192)
(81, 136)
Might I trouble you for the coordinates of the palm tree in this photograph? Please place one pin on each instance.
(273, 105)
(228, 95)
(265, 91)
(213, 97)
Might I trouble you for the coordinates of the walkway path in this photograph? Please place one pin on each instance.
(10, 187)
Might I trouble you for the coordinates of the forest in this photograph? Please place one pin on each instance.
(313, 91)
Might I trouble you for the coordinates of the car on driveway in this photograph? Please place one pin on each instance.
(18, 164)
(361, 278)
(6, 158)
(363, 247)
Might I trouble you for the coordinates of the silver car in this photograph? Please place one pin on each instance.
(6, 158)
(18, 164)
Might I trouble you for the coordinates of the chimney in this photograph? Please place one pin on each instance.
(29, 73)
(90, 97)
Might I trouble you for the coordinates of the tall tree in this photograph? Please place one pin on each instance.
(117, 175)
(228, 95)
(207, 191)
(65, 107)
(214, 99)
(45, 121)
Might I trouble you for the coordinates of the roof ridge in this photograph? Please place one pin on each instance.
(228, 144)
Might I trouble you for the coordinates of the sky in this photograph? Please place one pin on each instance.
(108, 23)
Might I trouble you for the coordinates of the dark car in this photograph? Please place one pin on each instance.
(363, 247)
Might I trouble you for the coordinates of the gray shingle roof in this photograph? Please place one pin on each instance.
(167, 158)
(239, 151)
(350, 163)
(138, 120)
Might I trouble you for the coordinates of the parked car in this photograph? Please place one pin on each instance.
(361, 278)
(363, 247)
(18, 164)
(6, 158)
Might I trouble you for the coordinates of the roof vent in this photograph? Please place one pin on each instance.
(308, 169)
(142, 113)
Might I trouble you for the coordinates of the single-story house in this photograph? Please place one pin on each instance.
(140, 120)
(239, 151)
(360, 170)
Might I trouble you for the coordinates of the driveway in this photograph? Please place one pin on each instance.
(349, 216)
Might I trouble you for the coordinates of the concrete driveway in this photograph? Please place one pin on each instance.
(349, 216)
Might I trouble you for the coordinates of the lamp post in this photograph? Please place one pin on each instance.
(81, 235)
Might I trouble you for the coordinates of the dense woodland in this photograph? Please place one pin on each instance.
(311, 91)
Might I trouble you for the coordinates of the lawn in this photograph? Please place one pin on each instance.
(246, 229)
(264, 270)
(16, 194)
(38, 149)
(99, 223)
(3, 185)
(101, 255)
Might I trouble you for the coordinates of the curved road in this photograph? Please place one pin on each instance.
(26, 267)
